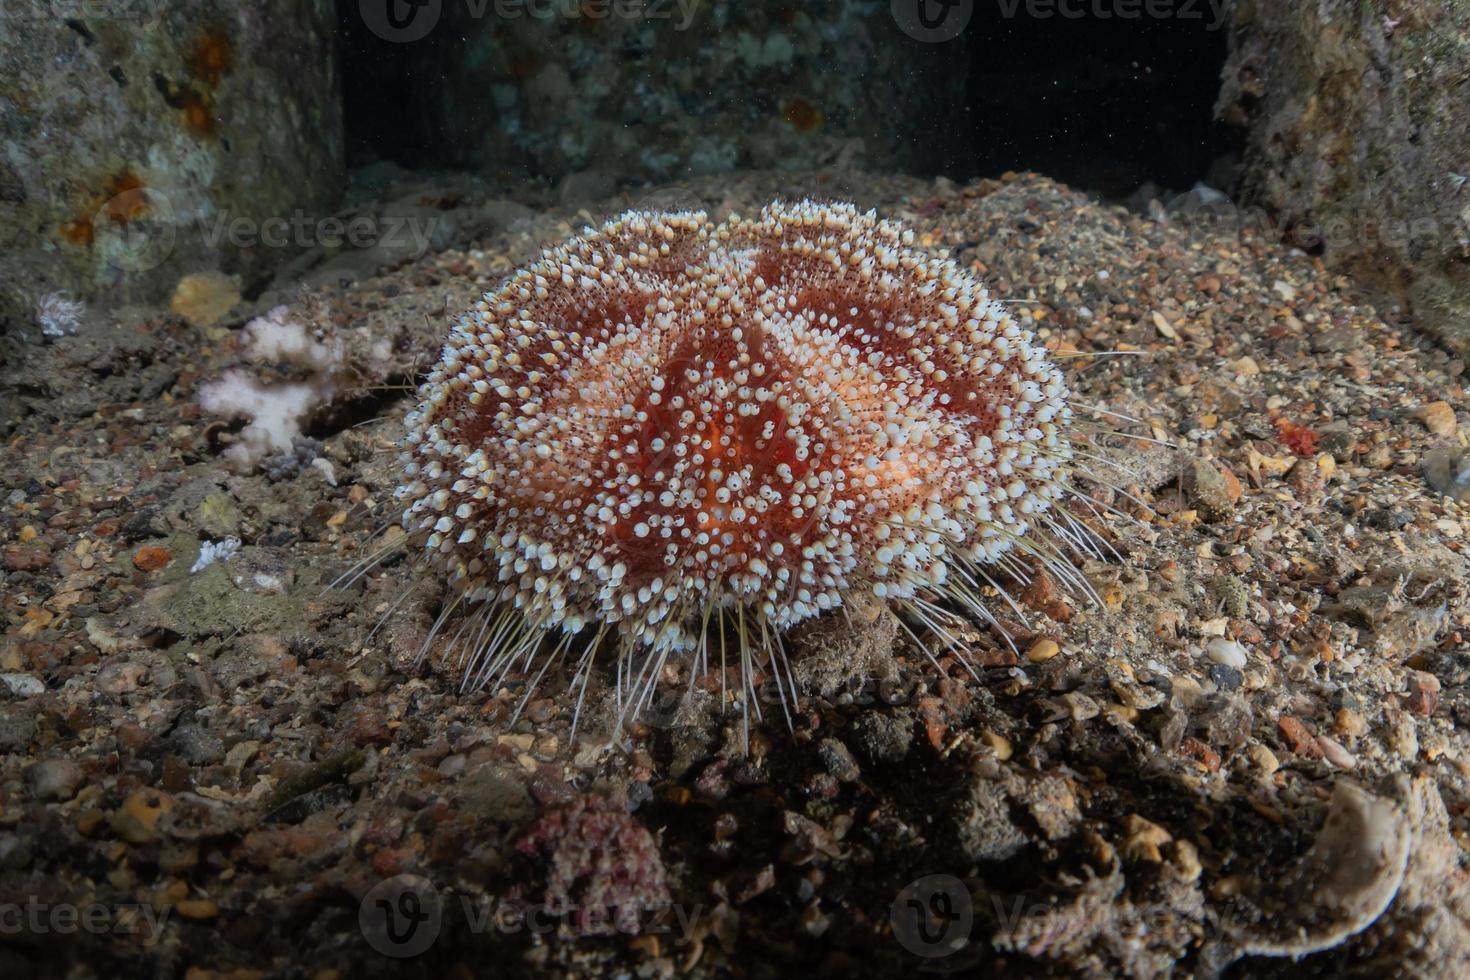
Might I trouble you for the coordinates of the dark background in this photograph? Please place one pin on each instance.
(1103, 103)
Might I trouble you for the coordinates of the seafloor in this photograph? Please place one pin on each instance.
(1247, 750)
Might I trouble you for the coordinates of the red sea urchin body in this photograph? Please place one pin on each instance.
(670, 415)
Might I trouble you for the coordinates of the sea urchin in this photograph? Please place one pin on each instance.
(670, 423)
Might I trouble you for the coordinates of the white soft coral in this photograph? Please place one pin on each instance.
(276, 411)
(275, 338)
(59, 315)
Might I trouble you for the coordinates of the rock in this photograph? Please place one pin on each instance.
(1438, 418)
(1342, 89)
(1226, 678)
(23, 685)
(1263, 758)
(1225, 719)
(151, 558)
(23, 558)
(600, 861)
(1143, 838)
(54, 779)
(496, 792)
(1423, 696)
(133, 180)
(838, 760)
(1448, 471)
(884, 737)
(551, 96)
(120, 677)
(197, 745)
(197, 909)
(987, 829)
(17, 727)
(1334, 752)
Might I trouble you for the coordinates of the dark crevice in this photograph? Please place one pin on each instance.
(1106, 104)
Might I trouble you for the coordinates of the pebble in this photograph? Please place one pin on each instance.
(1439, 418)
(120, 678)
(1080, 706)
(54, 779)
(1349, 723)
(1448, 472)
(151, 558)
(197, 908)
(1144, 838)
(1227, 653)
(838, 760)
(17, 727)
(196, 745)
(998, 744)
(1302, 741)
(23, 685)
(1226, 678)
(1263, 758)
(1043, 650)
(1333, 752)
(883, 737)
(1423, 696)
(136, 821)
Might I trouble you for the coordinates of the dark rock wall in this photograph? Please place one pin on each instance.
(1358, 116)
(611, 91)
(130, 131)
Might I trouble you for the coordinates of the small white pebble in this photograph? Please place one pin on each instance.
(1227, 652)
(1334, 752)
(23, 685)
